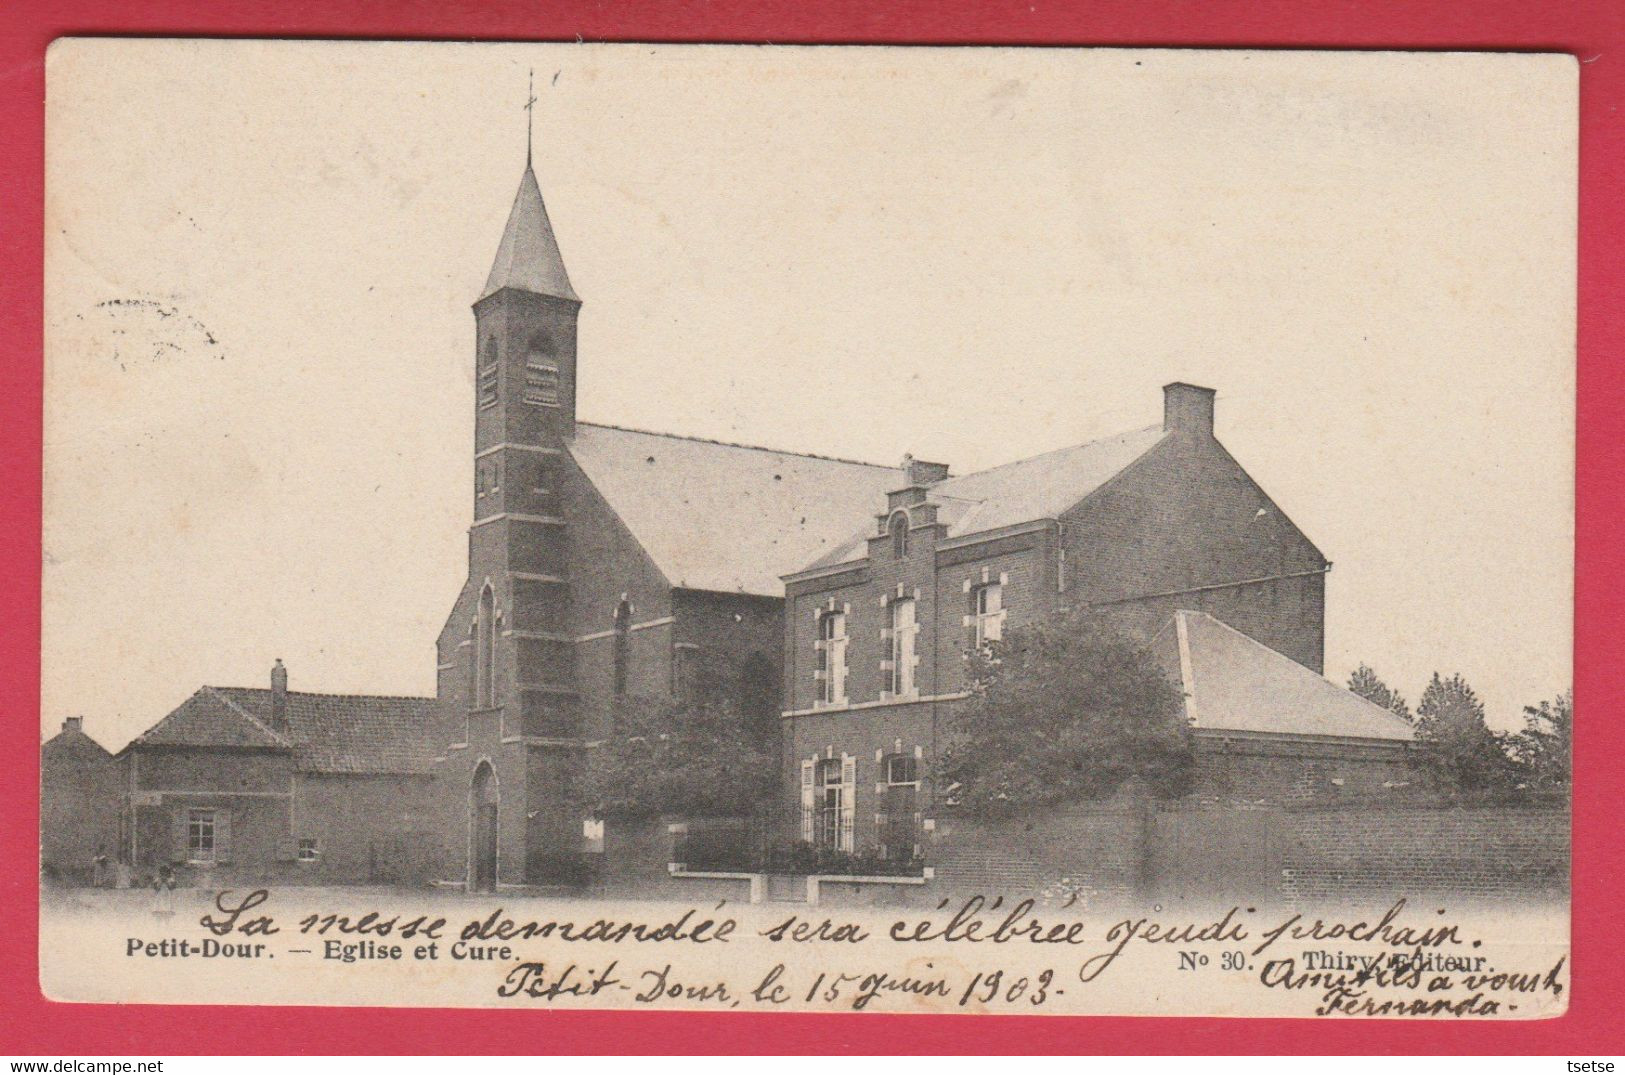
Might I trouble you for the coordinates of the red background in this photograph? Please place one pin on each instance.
(1590, 30)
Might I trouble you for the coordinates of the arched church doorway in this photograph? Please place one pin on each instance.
(483, 797)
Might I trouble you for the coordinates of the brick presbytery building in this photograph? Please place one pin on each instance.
(1157, 532)
(606, 563)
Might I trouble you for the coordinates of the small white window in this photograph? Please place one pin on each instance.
(200, 836)
(987, 613)
(902, 770)
(831, 658)
(308, 849)
(904, 631)
(592, 835)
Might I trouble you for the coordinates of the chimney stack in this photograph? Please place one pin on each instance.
(279, 696)
(74, 724)
(1187, 408)
(918, 476)
(918, 472)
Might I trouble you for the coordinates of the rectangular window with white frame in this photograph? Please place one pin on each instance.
(902, 770)
(309, 850)
(899, 817)
(830, 663)
(905, 630)
(828, 801)
(200, 834)
(987, 614)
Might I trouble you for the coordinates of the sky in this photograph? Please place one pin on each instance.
(261, 257)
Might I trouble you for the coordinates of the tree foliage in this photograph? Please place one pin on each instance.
(1369, 686)
(1464, 753)
(1060, 711)
(1544, 747)
(704, 755)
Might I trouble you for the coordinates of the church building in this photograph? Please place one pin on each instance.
(602, 563)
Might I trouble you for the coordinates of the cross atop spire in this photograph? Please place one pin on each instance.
(530, 114)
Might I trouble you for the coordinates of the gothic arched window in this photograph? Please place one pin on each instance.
(488, 373)
(485, 645)
(541, 372)
(899, 535)
(623, 638)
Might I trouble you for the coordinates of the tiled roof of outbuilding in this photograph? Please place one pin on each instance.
(209, 719)
(1233, 683)
(727, 517)
(328, 733)
(69, 742)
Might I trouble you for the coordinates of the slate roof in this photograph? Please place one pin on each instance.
(1028, 490)
(528, 257)
(328, 733)
(1233, 683)
(727, 517)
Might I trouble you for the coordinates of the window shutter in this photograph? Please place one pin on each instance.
(222, 835)
(177, 828)
(849, 772)
(807, 801)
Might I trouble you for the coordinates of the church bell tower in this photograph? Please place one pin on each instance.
(523, 747)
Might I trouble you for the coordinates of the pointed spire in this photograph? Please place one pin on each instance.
(528, 258)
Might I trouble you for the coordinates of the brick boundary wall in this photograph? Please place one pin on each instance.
(1481, 852)
(1119, 851)
(1097, 850)
(636, 855)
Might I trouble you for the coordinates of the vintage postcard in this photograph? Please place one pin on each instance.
(959, 530)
